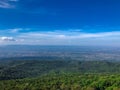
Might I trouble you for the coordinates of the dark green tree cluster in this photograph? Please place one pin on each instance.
(19, 69)
(65, 81)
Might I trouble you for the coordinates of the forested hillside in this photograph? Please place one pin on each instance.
(65, 81)
(27, 74)
(18, 69)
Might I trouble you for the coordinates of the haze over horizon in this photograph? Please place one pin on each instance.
(60, 22)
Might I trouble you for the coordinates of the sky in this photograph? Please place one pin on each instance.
(60, 22)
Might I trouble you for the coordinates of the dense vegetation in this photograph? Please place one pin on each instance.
(65, 81)
(30, 68)
(59, 75)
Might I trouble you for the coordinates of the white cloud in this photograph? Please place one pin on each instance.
(13, 0)
(4, 4)
(69, 35)
(7, 3)
(15, 30)
(57, 37)
(66, 37)
(7, 39)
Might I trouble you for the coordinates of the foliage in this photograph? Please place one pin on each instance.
(18, 69)
(65, 81)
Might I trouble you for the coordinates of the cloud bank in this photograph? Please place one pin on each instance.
(60, 37)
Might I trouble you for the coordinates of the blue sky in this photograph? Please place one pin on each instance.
(60, 22)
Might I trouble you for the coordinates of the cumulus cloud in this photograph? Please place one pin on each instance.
(7, 39)
(7, 3)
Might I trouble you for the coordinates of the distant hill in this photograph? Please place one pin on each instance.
(31, 68)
